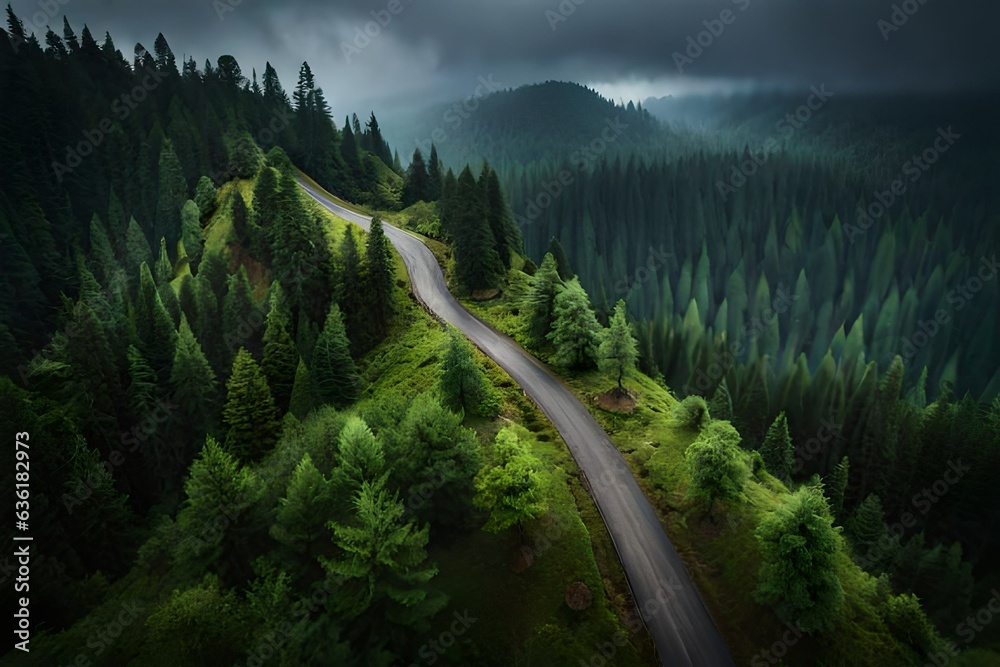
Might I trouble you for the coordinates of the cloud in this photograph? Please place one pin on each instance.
(429, 50)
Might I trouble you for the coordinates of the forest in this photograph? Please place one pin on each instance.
(252, 442)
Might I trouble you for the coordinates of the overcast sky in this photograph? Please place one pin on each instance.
(436, 50)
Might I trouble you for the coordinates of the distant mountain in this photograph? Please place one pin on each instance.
(525, 124)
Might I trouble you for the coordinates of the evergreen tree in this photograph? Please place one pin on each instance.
(716, 464)
(798, 577)
(477, 263)
(867, 525)
(142, 383)
(308, 504)
(154, 328)
(463, 384)
(417, 181)
(301, 402)
(241, 223)
(511, 490)
(541, 300)
(164, 268)
(173, 193)
(379, 280)
(434, 177)
(384, 567)
(205, 195)
(617, 350)
(360, 459)
(506, 235)
(575, 328)
(250, 412)
(836, 487)
(238, 315)
(137, 250)
(280, 357)
(193, 381)
(350, 290)
(165, 61)
(333, 376)
(777, 450)
(191, 232)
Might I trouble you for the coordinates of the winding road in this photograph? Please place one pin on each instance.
(670, 604)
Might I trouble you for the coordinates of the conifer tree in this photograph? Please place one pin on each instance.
(250, 412)
(350, 290)
(417, 181)
(193, 382)
(506, 234)
(777, 450)
(379, 280)
(360, 459)
(836, 487)
(463, 384)
(574, 328)
(617, 350)
(717, 464)
(867, 525)
(562, 262)
(477, 263)
(238, 314)
(280, 356)
(164, 268)
(434, 178)
(304, 511)
(301, 402)
(333, 375)
(798, 576)
(137, 248)
(540, 300)
(173, 193)
(154, 328)
(191, 232)
(205, 195)
(142, 383)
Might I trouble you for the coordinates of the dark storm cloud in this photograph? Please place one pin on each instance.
(430, 49)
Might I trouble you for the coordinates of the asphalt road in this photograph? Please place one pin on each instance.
(670, 604)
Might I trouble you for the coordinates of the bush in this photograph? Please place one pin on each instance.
(692, 413)
(907, 620)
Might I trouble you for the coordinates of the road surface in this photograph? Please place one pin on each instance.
(670, 605)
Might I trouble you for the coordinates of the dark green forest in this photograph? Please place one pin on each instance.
(237, 401)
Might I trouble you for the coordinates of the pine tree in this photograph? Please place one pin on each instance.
(506, 234)
(836, 487)
(165, 61)
(173, 193)
(307, 506)
(777, 450)
(250, 412)
(280, 357)
(379, 280)
(137, 250)
(434, 178)
(164, 268)
(205, 195)
(477, 263)
(193, 383)
(617, 350)
(333, 376)
(154, 328)
(241, 223)
(540, 300)
(417, 181)
(142, 383)
(350, 290)
(301, 402)
(360, 459)
(798, 577)
(867, 525)
(511, 490)
(463, 384)
(238, 314)
(191, 232)
(575, 328)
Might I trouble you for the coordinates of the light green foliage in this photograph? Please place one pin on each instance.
(798, 545)
(716, 464)
(575, 328)
(191, 231)
(307, 506)
(204, 197)
(691, 413)
(360, 458)
(511, 490)
(617, 351)
(540, 301)
(463, 384)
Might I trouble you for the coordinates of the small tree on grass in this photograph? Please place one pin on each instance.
(511, 490)
(463, 385)
(798, 545)
(575, 329)
(777, 451)
(691, 413)
(617, 351)
(539, 302)
(717, 464)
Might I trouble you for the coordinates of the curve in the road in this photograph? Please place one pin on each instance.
(671, 607)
